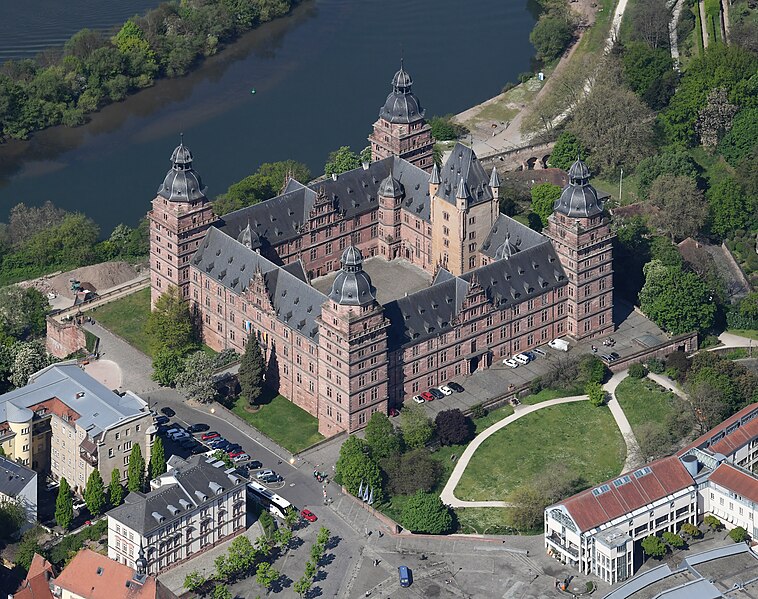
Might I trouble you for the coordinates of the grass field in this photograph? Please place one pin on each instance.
(126, 317)
(644, 401)
(281, 420)
(583, 438)
(749, 333)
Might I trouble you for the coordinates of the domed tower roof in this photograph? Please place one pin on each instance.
(391, 187)
(352, 287)
(17, 414)
(402, 106)
(579, 198)
(182, 182)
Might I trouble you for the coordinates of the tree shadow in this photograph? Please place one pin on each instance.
(327, 559)
(281, 583)
(333, 542)
(314, 592)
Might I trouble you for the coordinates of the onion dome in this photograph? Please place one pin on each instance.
(352, 287)
(579, 198)
(391, 187)
(494, 178)
(182, 182)
(402, 106)
(434, 178)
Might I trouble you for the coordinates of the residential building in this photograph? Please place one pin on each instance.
(64, 423)
(599, 531)
(19, 484)
(195, 505)
(36, 585)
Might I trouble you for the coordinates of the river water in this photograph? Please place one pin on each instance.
(320, 77)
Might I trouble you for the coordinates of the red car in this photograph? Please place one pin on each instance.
(209, 436)
(234, 454)
(308, 515)
(427, 396)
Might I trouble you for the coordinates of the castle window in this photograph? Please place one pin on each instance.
(313, 254)
(414, 367)
(445, 216)
(471, 247)
(430, 362)
(472, 262)
(362, 418)
(472, 235)
(446, 243)
(457, 351)
(530, 321)
(445, 231)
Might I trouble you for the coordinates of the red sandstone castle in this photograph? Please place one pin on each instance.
(495, 287)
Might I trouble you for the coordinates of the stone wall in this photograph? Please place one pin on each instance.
(64, 338)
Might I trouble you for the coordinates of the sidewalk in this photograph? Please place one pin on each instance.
(632, 447)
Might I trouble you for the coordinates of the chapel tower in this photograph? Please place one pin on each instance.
(582, 238)
(180, 217)
(352, 351)
(401, 129)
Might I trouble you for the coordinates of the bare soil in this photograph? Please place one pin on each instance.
(101, 276)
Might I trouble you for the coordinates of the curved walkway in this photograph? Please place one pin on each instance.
(632, 448)
(732, 340)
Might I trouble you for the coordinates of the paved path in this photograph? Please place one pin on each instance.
(731, 340)
(703, 25)
(673, 33)
(633, 454)
(667, 383)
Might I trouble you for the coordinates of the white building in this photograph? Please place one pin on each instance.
(599, 531)
(19, 484)
(197, 504)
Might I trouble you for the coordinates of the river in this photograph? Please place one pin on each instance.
(320, 77)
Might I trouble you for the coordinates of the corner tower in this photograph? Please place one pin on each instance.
(582, 238)
(352, 351)
(180, 216)
(401, 129)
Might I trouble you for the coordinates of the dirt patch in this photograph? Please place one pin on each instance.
(101, 276)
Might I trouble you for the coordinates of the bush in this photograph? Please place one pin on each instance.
(673, 540)
(637, 371)
(596, 393)
(691, 530)
(478, 411)
(426, 513)
(655, 366)
(713, 523)
(738, 534)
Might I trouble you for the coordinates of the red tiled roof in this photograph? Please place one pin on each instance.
(36, 585)
(667, 476)
(729, 443)
(736, 480)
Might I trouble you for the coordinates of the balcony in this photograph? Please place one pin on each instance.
(563, 545)
(88, 452)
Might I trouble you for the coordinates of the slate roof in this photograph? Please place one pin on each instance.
(98, 407)
(462, 162)
(14, 477)
(182, 182)
(188, 485)
(355, 192)
(736, 480)
(604, 502)
(401, 105)
(232, 264)
(579, 198)
(520, 237)
(431, 311)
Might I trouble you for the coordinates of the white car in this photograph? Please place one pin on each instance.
(445, 389)
(510, 362)
(521, 358)
(418, 399)
(539, 352)
(241, 457)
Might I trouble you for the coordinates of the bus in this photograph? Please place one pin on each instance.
(278, 506)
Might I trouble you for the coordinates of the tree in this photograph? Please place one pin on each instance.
(291, 517)
(677, 301)
(650, 23)
(416, 427)
(737, 144)
(654, 546)
(738, 534)
(637, 370)
(682, 207)
(650, 73)
(317, 553)
(310, 570)
(64, 506)
(12, 518)
(115, 490)
(94, 494)
(252, 367)
(224, 457)
(22, 312)
(690, 530)
(444, 128)
(30, 358)
(157, 458)
(671, 161)
(169, 325)
(167, 366)
(28, 546)
(323, 536)
(195, 380)
(355, 467)
(283, 536)
(303, 586)
(673, 540)
(595, 392)
(453, 428)
(730, 207)
(712, 522)
(413, 471)
(241, 557)
(268, 525)
(266, 575)
(528, 508)
(381, 437)
(565, 152)
(341, 160)
(591, 369)
(653, 440)
(221, 591)
(194, 581)
(544, 196)
(551, 35)
(715, 118)
(708, 403)
(425, 513)
(135, 476)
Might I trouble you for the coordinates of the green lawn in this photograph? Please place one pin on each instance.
(126, 317)
(644, 401)
(281, 420)
(490, 521)
(749, 333)
(583, 438)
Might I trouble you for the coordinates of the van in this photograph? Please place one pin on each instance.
(559, 344)
(405, 576)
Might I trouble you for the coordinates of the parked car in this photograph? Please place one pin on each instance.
(210, 435)
(264, 473)
(198, 449)
(530, 355)
(615, 356)
(254, 465)
(234, 447)
(559, 344)
(162, 429)
(436, 393)
(510, 362)
(222, 445)
(418, 399)
(179, 435)
(521, 358)
(161, 419)
(404, 573)
(271, 478)
(308, 515)
(427, 396)
(168, 412)
(188, 443)
(455, 387)
(240, 457)
(606, 358)
(198, 428)
(539, 352)
(445, 390)
(234, 453)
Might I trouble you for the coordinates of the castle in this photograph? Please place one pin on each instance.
(495, 287)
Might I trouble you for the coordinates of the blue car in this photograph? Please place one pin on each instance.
(531, 355)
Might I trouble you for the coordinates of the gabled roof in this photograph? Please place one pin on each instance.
(36, 585)
(463, 163)
(520, 236)
(727, 437)
(602, 503)
(736, 480)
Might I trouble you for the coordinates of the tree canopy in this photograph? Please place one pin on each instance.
(355, 466)
(544, 196)
(195, 381)
(381, 437)
(135, 476)
(157, 458)
(341, 160)
(416, 427)
(425, 513)
(94, 494)
(251, 370)
(683, 209)
(169, 325)
(452, 427)
(551, 35)
(64, 505)
(565, 152)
